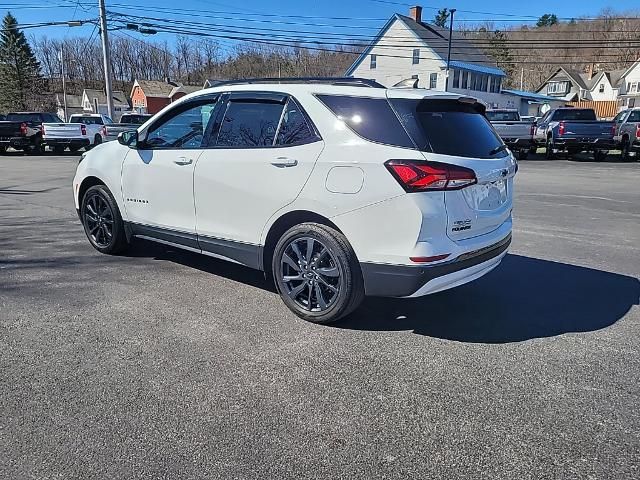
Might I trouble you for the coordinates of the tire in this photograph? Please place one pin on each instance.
(58, 149)
(38, 148)
(100, 215)
(600, 155)
(572, 152)
(549, 155)
(3, 150)
(96, 141)
(523, 154)
(74, 148)
(533, 150)
(317, 297)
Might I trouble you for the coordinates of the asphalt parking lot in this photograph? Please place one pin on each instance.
(166, 364)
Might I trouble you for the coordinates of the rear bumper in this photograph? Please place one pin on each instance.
(518, 143)
(585, 143)
(67, 142)
(16, 142)
(385, 280)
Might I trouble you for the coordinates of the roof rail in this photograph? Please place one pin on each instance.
(350, 81)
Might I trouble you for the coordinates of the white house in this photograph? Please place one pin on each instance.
(608, 85)
(95, 101)
(407, 47)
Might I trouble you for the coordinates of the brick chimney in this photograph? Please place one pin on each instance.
(415, 12)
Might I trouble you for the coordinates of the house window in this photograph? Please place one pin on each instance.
(416, 56)
(465, 79)
(557, 88)
(601, 88)
(483, 83)
(374, 61)
(633, 87)
(433, 80)
(495, 84)
(632, 102)
(456, 79)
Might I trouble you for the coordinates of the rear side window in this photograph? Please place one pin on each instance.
(498, 116)
(634, 117)
(294, 128)
(449, 127)
(371, 118)
(575, 114)
(248, 124)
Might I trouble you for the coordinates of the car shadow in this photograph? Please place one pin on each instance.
(523, 298)
(222, 268)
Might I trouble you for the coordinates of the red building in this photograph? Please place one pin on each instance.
(151, 96)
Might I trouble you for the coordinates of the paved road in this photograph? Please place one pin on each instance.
(164, 364)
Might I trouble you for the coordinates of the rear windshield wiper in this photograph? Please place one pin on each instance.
(498, 149)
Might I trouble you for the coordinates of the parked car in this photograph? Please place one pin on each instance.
(23, 131)
(516, 133)
(128, 121)
(336, 188)
(574, 130)
(82, 131)
(628, 132)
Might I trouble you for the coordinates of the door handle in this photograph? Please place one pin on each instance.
(183, 161)
(282, 162)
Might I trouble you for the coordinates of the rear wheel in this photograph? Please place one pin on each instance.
(573, 151)
(97, 140)
(317, 273)
(38, 147)
(523, 154)
(3, 149)
(58, 149)
(549, 154)
(102, 221)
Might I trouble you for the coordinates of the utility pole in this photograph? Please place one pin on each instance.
(106, 54)
(64, 83)
(446, 83)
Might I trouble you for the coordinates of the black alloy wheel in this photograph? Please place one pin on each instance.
(317, 273)
(102, 221)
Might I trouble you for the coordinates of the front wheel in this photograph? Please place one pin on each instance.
(102, 221)
(317, 273)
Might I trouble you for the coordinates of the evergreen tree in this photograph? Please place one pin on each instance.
(20, 80)
(502, 54)
(441, 17)
(547, 20)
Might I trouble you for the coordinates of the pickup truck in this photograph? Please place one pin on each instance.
(23, 131)
(128, 122)
(82, 131)
(628, 132)
(515, 133)
(574, 130)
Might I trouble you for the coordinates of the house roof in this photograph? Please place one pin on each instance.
(155, 88)
(582, 80)
(73, 101)
(532, 95)
(119, 97)
(186, 89)
(436, 38)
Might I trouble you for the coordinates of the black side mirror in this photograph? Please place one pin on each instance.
(128, 139)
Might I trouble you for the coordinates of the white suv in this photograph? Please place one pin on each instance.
(338, 188)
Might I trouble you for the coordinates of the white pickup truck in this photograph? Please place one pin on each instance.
(83, 130)
(515, 133)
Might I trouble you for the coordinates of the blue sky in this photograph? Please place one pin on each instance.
(370, 14)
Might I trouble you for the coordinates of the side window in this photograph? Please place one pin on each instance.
(185, 129)
(634, 117)
(294, 129)
(371, 118)
(249, 124)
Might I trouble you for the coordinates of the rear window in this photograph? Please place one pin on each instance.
(449, 127)
(497, 116)
(25, 117)
(87, 120)
(138, 119)
(575, 114)
(370, 118)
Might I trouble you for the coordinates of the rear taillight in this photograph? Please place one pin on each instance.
(42, 127)
(561, 128)
(421, 176)
(23, 129)
(638, 131)
(104, 131)
(83, 129)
